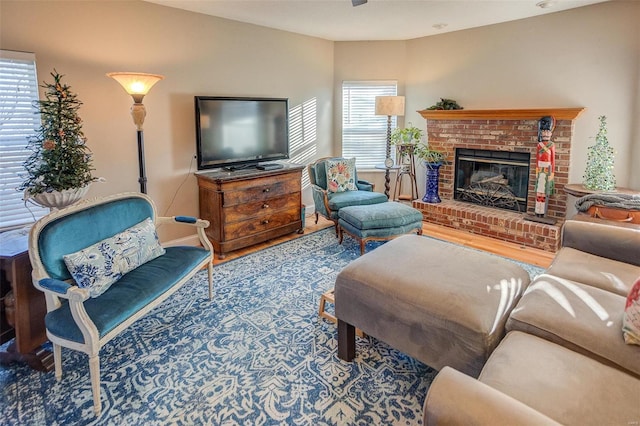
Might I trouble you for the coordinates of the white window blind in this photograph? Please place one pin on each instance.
(364, 134)
(18, 119)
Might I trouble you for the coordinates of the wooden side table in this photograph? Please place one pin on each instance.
(578, 190)
(22, 308)
(604, 212)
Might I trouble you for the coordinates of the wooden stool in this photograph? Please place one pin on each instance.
(328, 296)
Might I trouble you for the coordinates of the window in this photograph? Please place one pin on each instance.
(364, 134)
(18, 119)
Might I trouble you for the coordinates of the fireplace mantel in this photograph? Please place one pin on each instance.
(502, 114)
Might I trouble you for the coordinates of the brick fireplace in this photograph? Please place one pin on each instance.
(499, 130)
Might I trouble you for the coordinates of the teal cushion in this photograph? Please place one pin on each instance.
(380, 216)
(340, 200)
(100, 265)
(130, 294)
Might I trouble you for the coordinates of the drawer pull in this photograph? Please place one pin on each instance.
(265, 206)
(266, 190)
(265, 222)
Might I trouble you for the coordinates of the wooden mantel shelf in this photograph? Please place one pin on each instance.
(502, 114)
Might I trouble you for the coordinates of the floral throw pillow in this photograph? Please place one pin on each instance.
(341, 175)
(631, 318)
(98, 266)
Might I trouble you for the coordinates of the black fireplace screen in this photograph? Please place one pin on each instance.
(492, 178)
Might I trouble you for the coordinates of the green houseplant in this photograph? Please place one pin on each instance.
(413, 135)
(407, 135)
(58, 171)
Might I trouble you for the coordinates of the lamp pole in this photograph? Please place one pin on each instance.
(389, 106)
(387, 171)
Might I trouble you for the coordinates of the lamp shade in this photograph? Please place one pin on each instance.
(137, 84)
(390, 105)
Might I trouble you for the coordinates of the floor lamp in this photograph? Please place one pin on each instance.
(137, 85)
(389, 106)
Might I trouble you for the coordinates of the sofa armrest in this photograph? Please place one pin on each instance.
(613, 240)
(457, 399)
(183, 220)
(62, 288)
(199, 224)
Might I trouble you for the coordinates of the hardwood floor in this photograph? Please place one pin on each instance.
(514, 251)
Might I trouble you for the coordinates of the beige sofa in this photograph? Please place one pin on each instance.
(564, 359)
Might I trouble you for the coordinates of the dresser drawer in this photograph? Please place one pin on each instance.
(260, 190)
(261, 223)
(260, 208)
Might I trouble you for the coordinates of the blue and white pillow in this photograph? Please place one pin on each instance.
(98, 266)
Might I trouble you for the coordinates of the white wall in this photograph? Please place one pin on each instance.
(197, 54)
(586, 57)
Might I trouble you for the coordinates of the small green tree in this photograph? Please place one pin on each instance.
(599, 175)
(60, 158)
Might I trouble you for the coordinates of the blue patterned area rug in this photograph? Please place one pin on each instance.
(258, 354)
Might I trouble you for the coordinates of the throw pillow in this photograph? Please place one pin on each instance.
(98, 266)
(631, 318)
(341, 174)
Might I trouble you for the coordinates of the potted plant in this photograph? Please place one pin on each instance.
(407, 135)
(58, 172)
(432, 160)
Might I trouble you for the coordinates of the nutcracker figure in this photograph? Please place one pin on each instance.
(545, 165)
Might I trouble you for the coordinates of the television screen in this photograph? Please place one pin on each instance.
(240, 132)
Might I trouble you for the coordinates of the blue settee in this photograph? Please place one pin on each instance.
(81, 320)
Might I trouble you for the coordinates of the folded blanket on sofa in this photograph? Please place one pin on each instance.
(607, 199)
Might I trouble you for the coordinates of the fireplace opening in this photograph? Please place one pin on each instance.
(497, 179)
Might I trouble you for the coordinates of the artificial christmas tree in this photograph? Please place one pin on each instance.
(598, 175)
(60, 162)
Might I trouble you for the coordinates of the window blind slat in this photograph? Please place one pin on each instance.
(18, 120)
(364, 134)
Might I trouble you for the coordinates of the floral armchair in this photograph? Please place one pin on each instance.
(335, 184)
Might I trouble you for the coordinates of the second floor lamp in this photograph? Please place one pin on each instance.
(391, 106)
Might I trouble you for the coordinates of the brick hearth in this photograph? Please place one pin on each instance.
(502, 130)
(491, 222)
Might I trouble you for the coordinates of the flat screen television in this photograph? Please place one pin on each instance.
(237, 132)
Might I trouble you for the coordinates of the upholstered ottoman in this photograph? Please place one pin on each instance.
(383, 221)
(437, 302)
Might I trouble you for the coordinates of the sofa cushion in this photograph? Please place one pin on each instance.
(583, 318)
(341, 174)
(339, 200)
(131, 293)
(631, 319)
(568, 387)
(597, 271)
(101, 264)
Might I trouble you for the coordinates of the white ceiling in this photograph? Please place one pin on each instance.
(338, 20)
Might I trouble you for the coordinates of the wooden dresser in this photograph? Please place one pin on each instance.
(246, 207)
